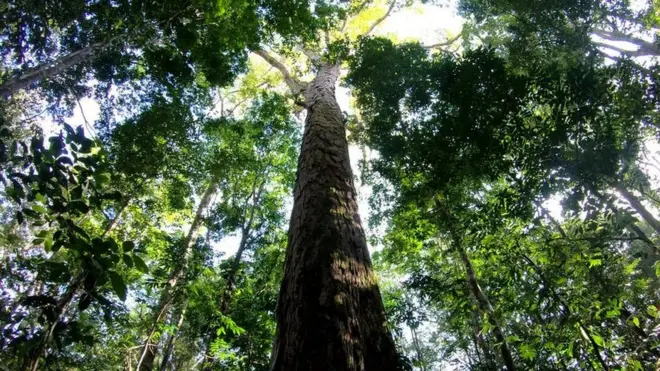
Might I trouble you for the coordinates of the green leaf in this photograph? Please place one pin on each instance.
(40, 209)
(635, 321)
(128, 246)
(110, 246)
(527, 352)
(41, 198)
(118, 284)
(79, 206)
(598, 340)
(48, 244)
(31, 213)
(84, 302)
(140, 264)
(57, 245)
(595, 262)
(127, 260)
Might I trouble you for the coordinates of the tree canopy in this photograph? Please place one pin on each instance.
(206, 215)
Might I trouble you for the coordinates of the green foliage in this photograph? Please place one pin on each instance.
(172, 42)
(510, 177)
(470, 147)
(57, 191)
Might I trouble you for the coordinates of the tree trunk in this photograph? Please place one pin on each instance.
(174, 283)
(568, 313)
(330, 313)
(609, 203)
(250, 205)
(231, 278)
(226, 295)
(478, 336)
(487, 307)
(418, 349)
(167, 351)
(50, 69)
(32, 362)
(639, 207)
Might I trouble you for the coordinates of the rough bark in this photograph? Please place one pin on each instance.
(639, 207)
(330, 314)
(174, 283)
(50, 69)
(486, 307)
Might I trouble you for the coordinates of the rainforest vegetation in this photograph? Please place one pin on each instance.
(303, 185)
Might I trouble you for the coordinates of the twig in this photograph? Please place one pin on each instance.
(381, 19)
(87, 125)
(444, 43)
(343, 25)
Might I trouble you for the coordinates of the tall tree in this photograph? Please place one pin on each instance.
(330, 312)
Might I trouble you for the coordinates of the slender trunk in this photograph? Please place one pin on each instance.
(226, 295)
(174, 283)
(478, 336)
(249, 208)
(639, 207)
(418, 349)
(167, 351)
(231, 278)
(50, 69)
(630, 227)
(568, 313)
(330, 314)
(32, 362)
(113, 222)
(487, 307)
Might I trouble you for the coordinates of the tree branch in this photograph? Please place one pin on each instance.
(327, 38)
(554, 222)
(567, 311)
(296, 86)
(616, 59)
(381, 19)
(645, 48)
(444, 43)
(343, 25)
(312, 55)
